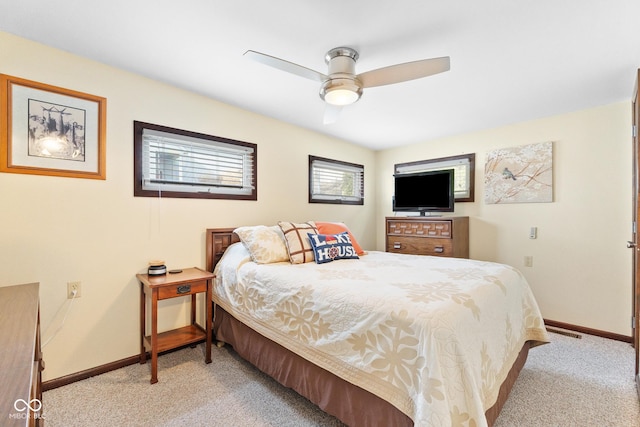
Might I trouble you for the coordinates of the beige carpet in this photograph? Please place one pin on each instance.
(570, 382)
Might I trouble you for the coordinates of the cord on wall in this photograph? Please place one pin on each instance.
(74, 292)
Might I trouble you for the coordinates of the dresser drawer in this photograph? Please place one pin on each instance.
(420, 245)
(438, 229)
(441, 236)
(177, 290)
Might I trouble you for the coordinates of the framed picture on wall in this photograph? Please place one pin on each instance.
(521, 174)
(48, 130)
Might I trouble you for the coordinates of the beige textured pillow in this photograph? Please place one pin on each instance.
(298, 244)
(265, 244)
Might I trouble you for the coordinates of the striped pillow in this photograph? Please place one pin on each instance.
(297, 239)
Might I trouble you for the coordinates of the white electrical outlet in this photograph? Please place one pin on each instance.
(74, 286)
(528, 261)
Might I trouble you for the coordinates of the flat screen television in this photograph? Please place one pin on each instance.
(424, 192)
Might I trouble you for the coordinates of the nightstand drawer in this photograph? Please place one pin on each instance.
(179, 290)
(420, 246)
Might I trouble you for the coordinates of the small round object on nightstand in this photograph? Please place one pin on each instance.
(157, 268)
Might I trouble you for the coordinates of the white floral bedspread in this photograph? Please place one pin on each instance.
(434, 336)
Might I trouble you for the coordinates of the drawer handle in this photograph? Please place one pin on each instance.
(184, 289)
(397, 245)
(438, 249)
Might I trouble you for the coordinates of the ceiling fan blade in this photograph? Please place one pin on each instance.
(331, 113)
(287, 66)
(404, 72)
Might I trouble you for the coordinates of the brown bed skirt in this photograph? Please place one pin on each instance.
(349, 403)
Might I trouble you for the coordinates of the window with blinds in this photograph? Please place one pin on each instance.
(177, 163)
(333, 181)
(464, 172)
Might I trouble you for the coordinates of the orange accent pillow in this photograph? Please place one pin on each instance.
(337, 228)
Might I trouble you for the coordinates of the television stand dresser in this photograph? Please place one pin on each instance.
(424, 235)
(21, 361)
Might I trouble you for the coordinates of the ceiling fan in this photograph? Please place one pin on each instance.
(341, 85)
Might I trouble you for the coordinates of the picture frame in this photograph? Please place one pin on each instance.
(49, 130)
(521, 174)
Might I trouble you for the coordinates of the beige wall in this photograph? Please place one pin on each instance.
(581, 270)
(56, 230)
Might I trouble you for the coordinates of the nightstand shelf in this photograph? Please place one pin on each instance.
(191, 334)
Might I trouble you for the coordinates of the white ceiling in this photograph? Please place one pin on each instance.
(511, 60)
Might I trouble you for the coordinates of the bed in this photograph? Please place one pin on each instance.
(377, 340)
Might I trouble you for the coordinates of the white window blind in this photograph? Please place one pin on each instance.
(180, 163)
(332, 181)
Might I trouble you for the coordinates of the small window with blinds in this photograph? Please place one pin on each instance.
(333, 181)
(463, 167)
(177, 163)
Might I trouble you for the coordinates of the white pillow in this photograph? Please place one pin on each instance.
(265, 244)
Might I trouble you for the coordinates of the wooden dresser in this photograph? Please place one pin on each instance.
(20, 356)
(439, 236)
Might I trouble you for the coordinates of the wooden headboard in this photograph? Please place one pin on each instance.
(218, 240)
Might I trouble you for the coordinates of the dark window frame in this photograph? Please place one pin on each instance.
(139, 191)
(444, 163)
(338, 200)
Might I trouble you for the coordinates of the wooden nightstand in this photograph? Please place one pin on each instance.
(190, 281)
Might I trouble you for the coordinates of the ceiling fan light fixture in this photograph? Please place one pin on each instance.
(341, 91)
(341, 86)
(341, 96)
